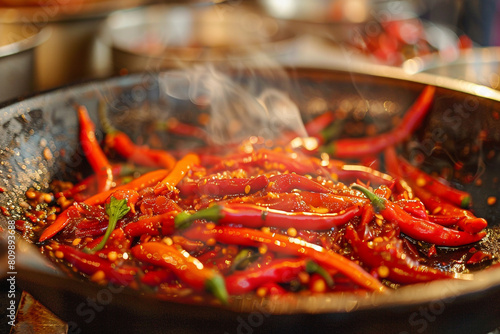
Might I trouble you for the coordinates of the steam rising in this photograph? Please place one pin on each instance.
(237, 111)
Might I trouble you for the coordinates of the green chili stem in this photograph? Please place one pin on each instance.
(314, 268)
(378, 203)
(217, 286)
(184, 219)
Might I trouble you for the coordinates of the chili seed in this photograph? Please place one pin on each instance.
(304, 277)
(98, 276)
(383, 271)
(261, 292)
(112, 256)
(58, 254)
(491, 200)
(318, 285)
(291, 232)
(30, 194)
(76, 241)
(420, 182)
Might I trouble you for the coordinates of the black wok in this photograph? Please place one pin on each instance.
(39, 143)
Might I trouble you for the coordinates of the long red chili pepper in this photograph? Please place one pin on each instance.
(414, 207)
(291, 246)
(318, 127)
(162, 224)
(303, 201)
(434, 186)
(85, 184)
(391, 261)
(468, 222)
(255, 216)
(358, 147)
(147, 180)
(91, 263)
(93, 152)
(174, 126)
(140, 155)
(417, 228)
(352, 173)
(186, 267)
(287, 182)
(220, 187)
(177, 173)
(269, 160)
(278, 271)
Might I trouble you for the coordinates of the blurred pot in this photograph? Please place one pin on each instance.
(169, 36)
(72, 52)
(17, 59)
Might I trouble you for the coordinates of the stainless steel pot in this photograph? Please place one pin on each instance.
(18, 48)
(180, 35)
(72, 52)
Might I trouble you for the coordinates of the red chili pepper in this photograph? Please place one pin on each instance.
(390, 259)
(445, 220)
(319, 127)
(156, 225)
(359, 147)
(185, 267)
(272, 289)
(283, 183)
(287, 245)
(417, 228)
(117, 241)
(174, 126)
(367, 215)
(278, 271)
(85, 184)
(93, 152)
(270, 160)
(255, 216)
(140, 155)
(303, 201)
(414, 207)
(157, 277)
(320, 123)
(469, 222)
(434, 186)
(353, 173)
(89, 264)
(64, 218)
(479, 257)
(177, 173)
(220, 187)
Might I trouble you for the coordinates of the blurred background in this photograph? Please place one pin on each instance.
(50, 43)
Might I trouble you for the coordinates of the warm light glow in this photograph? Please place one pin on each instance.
(356, 10)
